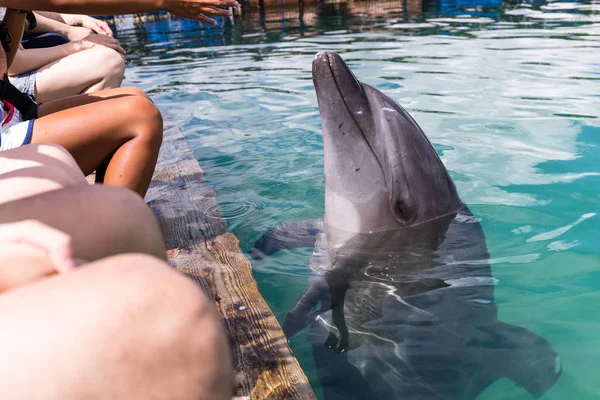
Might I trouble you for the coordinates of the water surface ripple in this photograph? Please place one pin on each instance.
(508, 93)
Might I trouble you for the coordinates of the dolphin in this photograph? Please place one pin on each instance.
(400, 302)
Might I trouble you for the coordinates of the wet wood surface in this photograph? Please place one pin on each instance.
(199, 246)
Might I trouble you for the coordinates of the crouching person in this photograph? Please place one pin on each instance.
(88, 305)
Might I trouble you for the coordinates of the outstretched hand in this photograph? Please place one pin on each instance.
(200, 9)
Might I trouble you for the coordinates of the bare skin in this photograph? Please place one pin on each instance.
(13, 23)
(97, 68)
(129, 326)
(124, 327)
(30, 170)
(192, 9)
(92, 63)
(102, 221)
(119, 127)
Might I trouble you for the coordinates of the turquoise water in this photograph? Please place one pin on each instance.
(508, 94)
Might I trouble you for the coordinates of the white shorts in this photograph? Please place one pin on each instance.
(15, 133)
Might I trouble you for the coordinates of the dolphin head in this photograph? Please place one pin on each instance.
(381, 171)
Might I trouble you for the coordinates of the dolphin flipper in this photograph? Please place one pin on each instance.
(305, 311)
(523, 357)
(290, 235)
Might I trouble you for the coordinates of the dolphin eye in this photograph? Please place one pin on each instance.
(400, 211)
(404, 212)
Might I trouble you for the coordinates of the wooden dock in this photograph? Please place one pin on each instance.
(199, 246)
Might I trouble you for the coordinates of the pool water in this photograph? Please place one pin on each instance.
(509, 94)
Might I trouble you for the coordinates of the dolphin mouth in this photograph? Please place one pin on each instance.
(343, 78)
(327, 65)
(337, 68)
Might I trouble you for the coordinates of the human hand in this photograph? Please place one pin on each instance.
(56, 244)
(198, 9)
(93, 40)
(95, 25)
(75, 33)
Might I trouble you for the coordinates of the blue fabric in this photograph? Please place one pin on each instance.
(27, 139)
(37, 41)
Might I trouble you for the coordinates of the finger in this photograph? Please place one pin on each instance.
(221, 3)
(112, 43)
(107, 39)
(216, 11)
(229, 3)
(61, 262)
(99, 29)
(106, 28)
(117, 48)
(205, 19)
(96, 30)
(55, 243)
(110, 40)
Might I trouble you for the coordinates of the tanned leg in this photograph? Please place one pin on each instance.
(125, 129)
(80, 100)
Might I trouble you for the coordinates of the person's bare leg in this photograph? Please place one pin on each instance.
(126, 327)
(126, 131)
(34, 169)
(102, 221)
(98, 68)
(83, 99)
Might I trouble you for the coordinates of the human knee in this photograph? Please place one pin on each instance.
(183, 315)
(133, 91)
(138, 227)
(146, 120)
(187, 334)
(111, 64)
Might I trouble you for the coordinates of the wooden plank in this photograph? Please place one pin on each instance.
(199, 246)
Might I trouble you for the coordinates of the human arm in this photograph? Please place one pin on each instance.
(51, 15)
(79, 20)
(85, 21)
(193, 9)
(45, 24)
(31, 59)
(14, 23)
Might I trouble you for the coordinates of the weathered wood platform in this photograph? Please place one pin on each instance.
(199, 246)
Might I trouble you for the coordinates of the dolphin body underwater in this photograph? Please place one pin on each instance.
(400, 303)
